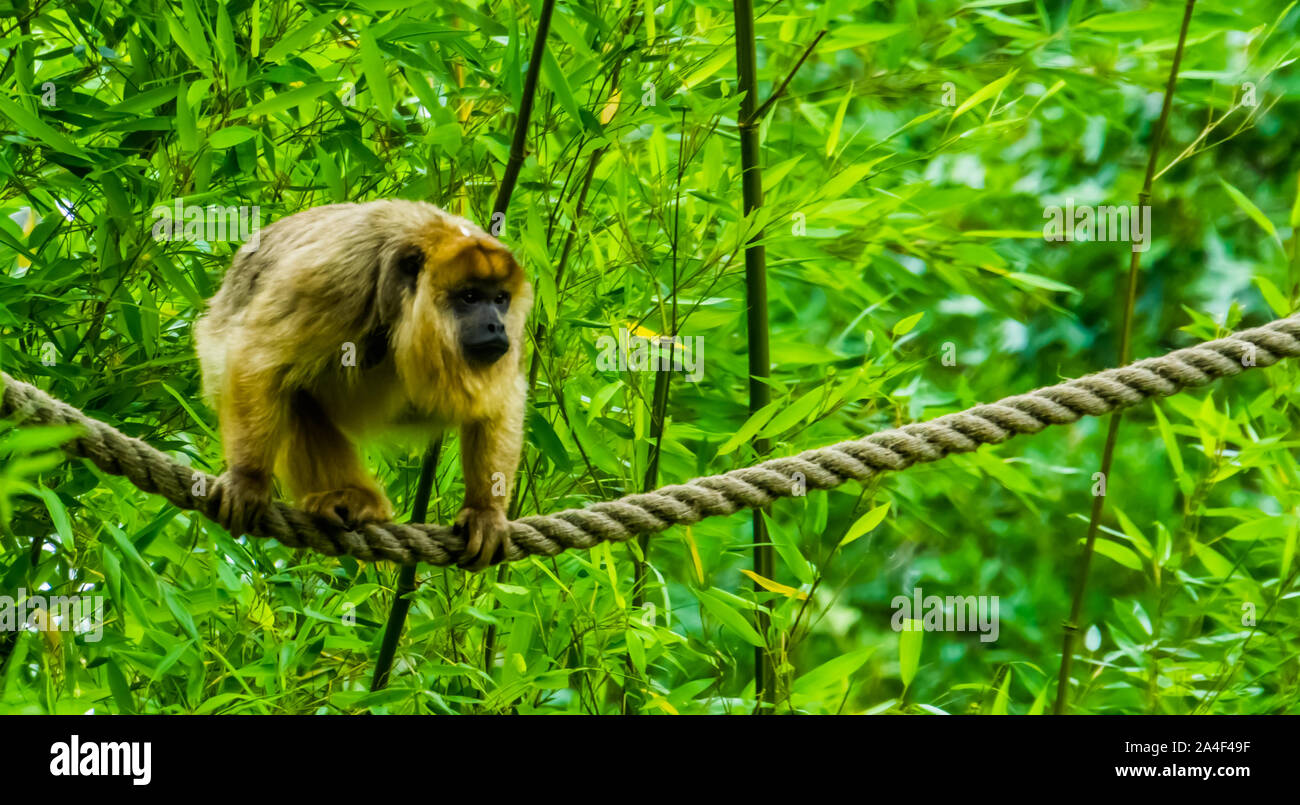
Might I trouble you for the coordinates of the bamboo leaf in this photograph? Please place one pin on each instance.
(297, 39)
(230, 136)
(58, 516)
(833, 138)
(746, 432)
(984, 93)
(285, 100)
(559, 86)
(721, 611)
(32, 125)
(865, 524)
(905, 325)
(1277, 302)
(835, 671)
(775, 586)
(795, 413)
(783, 540)
(1247, 206)
(909, 650)
(372, 64)
(1171, 443)
(1113, 550)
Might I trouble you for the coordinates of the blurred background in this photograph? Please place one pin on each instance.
(907, 168)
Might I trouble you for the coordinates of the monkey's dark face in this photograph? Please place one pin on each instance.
(460, 301)
(480, 309)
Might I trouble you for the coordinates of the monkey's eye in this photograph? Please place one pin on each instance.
(468, 296)
(502, 298)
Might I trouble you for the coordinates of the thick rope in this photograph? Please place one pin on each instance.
(651, 512)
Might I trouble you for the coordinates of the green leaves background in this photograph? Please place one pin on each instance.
(895, 224)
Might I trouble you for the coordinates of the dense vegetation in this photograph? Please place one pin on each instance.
(907, 167)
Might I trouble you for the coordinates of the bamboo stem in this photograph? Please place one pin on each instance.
(516, 161)
(420, 504)
(760, 394)
(1071, 627)
(406, 577)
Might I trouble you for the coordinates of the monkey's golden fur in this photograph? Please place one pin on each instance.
(335, 281)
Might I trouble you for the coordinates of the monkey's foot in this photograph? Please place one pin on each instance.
(350, 506)
(242, 497)
(485, 537)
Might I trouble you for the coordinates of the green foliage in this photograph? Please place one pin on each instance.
(906, 171)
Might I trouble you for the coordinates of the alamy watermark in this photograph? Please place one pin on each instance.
(77, 758)
(954, 613)
(210, 224)
(83, 614)
(1130, 224)
(660, 353)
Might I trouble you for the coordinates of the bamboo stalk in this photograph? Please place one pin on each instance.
(516, 161)
(420, 503)
(539, 332)
(659, 403)
(406, 577)
(1071, 628)
(593, 161)
(760, 394)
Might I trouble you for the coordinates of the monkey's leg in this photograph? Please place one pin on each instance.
(324, 472)
(489, 456)
(251, 410)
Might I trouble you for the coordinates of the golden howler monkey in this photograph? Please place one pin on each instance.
(349, 319)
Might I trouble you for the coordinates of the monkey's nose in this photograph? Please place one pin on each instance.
(491, 343)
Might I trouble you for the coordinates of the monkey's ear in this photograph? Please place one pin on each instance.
(397, 277)
(411, 263)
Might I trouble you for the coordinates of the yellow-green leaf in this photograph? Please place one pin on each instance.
(230, 135)
(649, 16)
(607, 556)
(1279, 303)
(775, 586)
(795, 413)
(865, 523)
(559, 86)
(1295, 208)
(1247, 206)
(298, 40)
(58, 516)
(747, 431)
(1214, 562)
(904, 326)
(834, 671)
(1171, 443)
(833, 139)
(284, 100)
(1121, 554)
(372, 64)
(1001, 702)
(909, 650)
(984, 93)
(695, 555)
(1131, 21)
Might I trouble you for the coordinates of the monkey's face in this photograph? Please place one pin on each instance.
(460, 330)
(481, 310)
(475, 282)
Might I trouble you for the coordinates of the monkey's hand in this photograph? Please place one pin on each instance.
(242, 495)
(485, 533)
(350, 506)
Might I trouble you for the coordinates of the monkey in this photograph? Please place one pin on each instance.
(348, 321)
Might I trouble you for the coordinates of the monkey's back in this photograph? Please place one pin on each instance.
(307, 279)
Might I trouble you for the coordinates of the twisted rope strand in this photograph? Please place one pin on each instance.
(718, 495)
